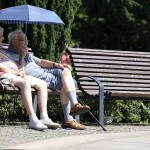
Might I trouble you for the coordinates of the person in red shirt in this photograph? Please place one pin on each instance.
(65, 58)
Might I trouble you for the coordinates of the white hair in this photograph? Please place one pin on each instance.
(12, 35)
(1, 30)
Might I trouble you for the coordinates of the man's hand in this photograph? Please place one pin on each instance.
(49, 64)
(23, 51)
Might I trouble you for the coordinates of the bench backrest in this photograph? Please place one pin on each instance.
(124, 74)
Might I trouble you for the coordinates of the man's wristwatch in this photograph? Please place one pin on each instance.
(54, 65)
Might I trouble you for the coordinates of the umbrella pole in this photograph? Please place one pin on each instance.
(26, 29)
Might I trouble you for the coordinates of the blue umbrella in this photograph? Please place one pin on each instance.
(27, 14)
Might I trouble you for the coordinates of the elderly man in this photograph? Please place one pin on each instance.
(57, 77)
(16, 75)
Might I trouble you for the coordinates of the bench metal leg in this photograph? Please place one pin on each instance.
(35, 103)
(101, 104)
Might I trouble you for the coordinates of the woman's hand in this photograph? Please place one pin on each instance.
(18, 73)
(21, 73)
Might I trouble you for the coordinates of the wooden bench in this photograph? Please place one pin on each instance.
(106, 74)
(111, 75)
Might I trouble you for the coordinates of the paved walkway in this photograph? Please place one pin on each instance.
(107, 141)
(117, 137)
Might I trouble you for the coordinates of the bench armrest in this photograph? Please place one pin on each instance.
(1, 87)
(98, 82)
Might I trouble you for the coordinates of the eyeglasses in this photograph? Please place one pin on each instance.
(22, 40)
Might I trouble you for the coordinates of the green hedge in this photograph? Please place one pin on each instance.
(121, 111)
(11, 109)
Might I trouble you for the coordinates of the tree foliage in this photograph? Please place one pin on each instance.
(117, 24)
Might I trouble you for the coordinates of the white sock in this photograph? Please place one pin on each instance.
(72, 97)
(43, 115)
(66, 111)
(33, 118)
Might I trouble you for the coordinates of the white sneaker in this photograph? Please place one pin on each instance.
(37, 126)
(50, 124)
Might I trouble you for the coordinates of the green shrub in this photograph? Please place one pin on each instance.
(128, 111)
(12, 109)
(120, 110)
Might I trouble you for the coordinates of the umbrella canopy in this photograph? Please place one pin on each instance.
(28, 14)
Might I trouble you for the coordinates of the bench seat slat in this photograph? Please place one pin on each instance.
(97, 70)
(118, 80)
(118, 88)
(99, 57)
(113, 75)
(112, 53)
(129, 95)
(111, 84)
(126, 63)
(85, 50)
(109, 66)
